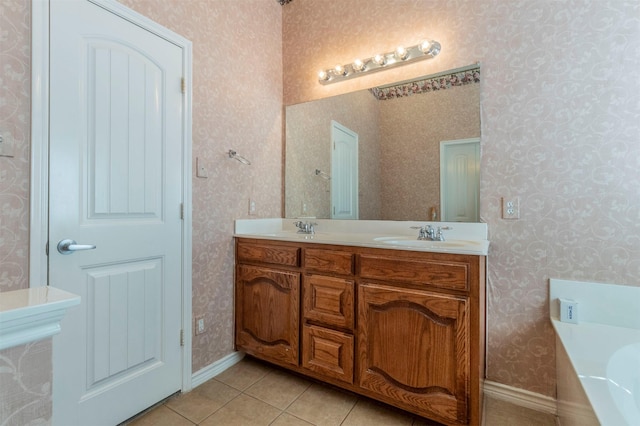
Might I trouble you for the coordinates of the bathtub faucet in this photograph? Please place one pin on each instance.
(305, 227)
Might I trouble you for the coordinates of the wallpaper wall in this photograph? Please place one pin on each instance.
(15, 83)
(560, 125)
(25, 384)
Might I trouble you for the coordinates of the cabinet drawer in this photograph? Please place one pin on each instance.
(268, 253)
(444, 274)
(328, 352)
(327, 261)
(328, 300)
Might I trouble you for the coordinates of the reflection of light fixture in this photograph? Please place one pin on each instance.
(358, 65)
(401, 53)
(429, 47)
(380, 60)
(426, 49)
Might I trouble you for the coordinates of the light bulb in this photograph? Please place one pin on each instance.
(425, 46)
(358, 65)
(339, 70)
(380, 59)
(323, 76)
(401, 53)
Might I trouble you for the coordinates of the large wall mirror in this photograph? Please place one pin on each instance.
(385, 153)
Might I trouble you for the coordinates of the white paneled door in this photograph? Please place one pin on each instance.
(460, 180)
(116, 120)
(344, 172)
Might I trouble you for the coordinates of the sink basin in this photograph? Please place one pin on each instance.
(385, 239)
(432, 244)
(289, 234)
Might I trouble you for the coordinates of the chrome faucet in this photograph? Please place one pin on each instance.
(425, 232)
(305, 227)
(428, 233)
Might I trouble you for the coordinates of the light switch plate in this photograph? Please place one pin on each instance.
(201, 169)
(6, 145)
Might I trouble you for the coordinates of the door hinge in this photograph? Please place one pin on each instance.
(46, 248)
(183, 85)
(182, 211)
(181, 337)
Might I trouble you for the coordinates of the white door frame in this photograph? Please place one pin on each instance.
(39, 190)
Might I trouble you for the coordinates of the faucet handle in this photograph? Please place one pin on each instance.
(439, 235)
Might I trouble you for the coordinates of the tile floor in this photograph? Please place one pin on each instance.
(252, 393)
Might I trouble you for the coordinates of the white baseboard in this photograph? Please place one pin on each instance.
(212, 370)
(521, 397)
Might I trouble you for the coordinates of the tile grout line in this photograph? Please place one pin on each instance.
(228, 402)
(169, 408)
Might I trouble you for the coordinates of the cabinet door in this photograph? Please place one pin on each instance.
(413, 347)
(267, 313)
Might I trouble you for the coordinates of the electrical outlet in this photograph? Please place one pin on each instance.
(511, 208)
(569, 311)
(252, 206)
(201, 169)
(199, 326)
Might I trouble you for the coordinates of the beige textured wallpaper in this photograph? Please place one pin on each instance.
(560, 125)
(25, 384)
(15, 89)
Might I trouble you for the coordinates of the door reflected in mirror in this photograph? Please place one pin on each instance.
(400, 129)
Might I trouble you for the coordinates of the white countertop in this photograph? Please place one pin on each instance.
(461, 238)
(32, 314)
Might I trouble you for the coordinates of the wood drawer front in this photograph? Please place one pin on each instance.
(329, 300)
(443, 274)
(328, 261)
(328, 352)
(268, 253)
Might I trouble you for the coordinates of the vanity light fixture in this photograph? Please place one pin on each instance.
(426, 49)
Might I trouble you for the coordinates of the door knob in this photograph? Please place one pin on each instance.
(69, 246)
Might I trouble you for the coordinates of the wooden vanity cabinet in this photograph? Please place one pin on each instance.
(268, 302)
(403, 327)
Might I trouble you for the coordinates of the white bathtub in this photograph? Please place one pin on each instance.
(598, 359)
